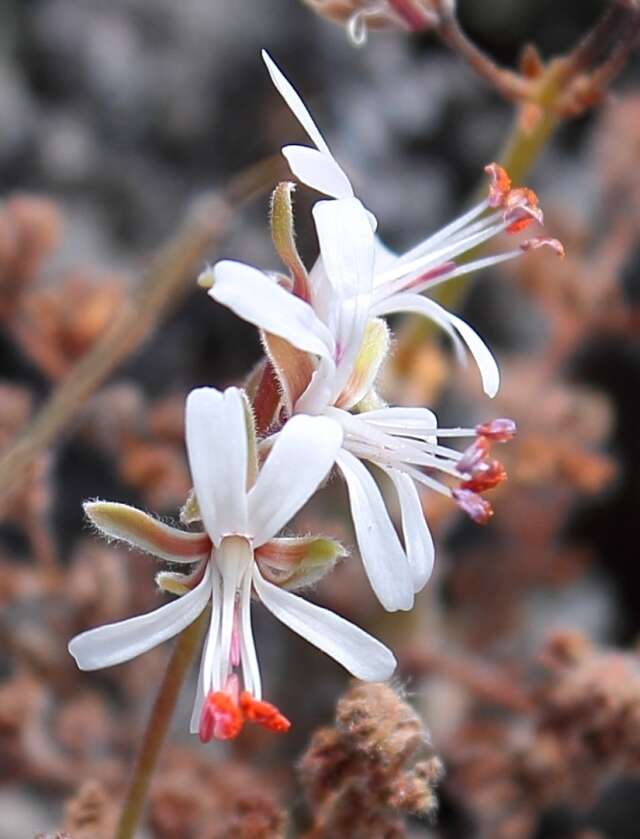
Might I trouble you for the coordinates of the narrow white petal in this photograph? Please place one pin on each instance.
(117, 642)
(250, 666)
(217, 448)
(487, 365)
(256, 298)
(295, 103)
(384, 560)
(353, 648)
(417, 538)
(318, 171)
(201, 693)
(348, 253)
(301, 457)
(346, 245)
(320, 390)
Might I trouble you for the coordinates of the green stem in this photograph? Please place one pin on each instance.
(158, 725)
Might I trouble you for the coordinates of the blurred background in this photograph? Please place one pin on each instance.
(521, 657)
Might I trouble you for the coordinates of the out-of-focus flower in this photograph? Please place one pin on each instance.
(242, 508)
(358, 16)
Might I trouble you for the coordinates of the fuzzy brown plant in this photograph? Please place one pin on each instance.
(366, 773)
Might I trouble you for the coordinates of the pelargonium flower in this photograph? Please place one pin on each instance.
(237, 556)
(326, 342)
(399, 279)
(350, 347)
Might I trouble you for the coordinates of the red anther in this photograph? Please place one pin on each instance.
(478, 509)
(541, 242)
(263, 713)
(521, 208)
(474, 454)
(498, 430)
(485, 475)
(500, 185)
(221, 718)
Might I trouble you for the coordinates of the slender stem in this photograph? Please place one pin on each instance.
(165, 283)
(158, 725)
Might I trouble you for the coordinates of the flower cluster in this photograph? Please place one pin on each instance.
(325, 338)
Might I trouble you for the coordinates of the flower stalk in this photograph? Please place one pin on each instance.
(158, 725)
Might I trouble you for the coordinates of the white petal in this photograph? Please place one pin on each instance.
(320, 390)
(301, 458)
(293, 100)
(122, 641)
(201, 693)
(384, 560)
(429, 308)
(417, 538)
(346, 244)
(217, 448)
(353, 648)
(318, 171)
(348, 253)
(249, 660)
(259, 300)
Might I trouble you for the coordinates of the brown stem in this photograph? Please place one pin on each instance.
(612, 27)
(509, 84)
(158, 724)
(164, 285)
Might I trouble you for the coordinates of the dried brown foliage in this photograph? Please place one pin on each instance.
(362, 775)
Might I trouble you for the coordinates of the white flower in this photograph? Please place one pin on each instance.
(242, 508)
(399, 280)
(350, 346)
(326, 342)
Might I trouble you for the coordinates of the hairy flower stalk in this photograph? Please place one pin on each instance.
(237, 557)
(325, 337)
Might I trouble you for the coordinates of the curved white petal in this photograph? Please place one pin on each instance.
(417, 538)
(487, 365)
(122, 641)
(348, 253)
(353, 648)
(319, 392)
(384, 560)
(256, 298)
(346, 245)
(318, 171)
(295, 103)
(201, 693)
(301, 457)
(217, 447)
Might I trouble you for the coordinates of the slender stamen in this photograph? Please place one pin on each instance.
(444, 233)
(443, 254)
(250, 667)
